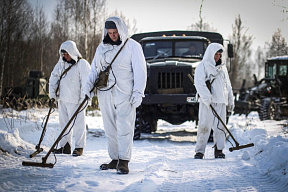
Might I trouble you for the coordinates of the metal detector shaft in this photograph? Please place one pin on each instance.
(38, 149)
(44, 159)
(65, 128)
(237, 144)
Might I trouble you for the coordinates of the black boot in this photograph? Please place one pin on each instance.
(198, 156)
(111, 165)
(218, 153)
(63, 150)
(122, 167)
(77, 152)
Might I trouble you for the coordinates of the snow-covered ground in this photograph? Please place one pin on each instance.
(160, 162)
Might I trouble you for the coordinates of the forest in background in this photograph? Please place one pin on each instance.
(29, 42)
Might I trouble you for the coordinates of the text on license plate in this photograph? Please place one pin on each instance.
(191, 99)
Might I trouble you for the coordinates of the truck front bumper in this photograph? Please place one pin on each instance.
(169, 99)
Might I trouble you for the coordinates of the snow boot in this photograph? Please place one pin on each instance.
(122, 167)
(77, 152)
(111, 165)
(218, 153)
(198, 155)
(63, 150)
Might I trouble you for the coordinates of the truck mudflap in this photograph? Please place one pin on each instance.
(169, 99)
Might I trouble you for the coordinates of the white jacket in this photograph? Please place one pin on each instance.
(128, 72)
(71, 84)
(207, 70)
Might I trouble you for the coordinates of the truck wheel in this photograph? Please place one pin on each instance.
(145, 127)
(153, 125)
(267, 109)
(137, 128)
(149, 126)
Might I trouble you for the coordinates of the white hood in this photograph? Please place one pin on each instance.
(217, 75)
(210, 52)
(71, 84)
(121, 27)
(209, 62)
(128, 72)
(71, 48)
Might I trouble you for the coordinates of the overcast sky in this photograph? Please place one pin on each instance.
(260, 17)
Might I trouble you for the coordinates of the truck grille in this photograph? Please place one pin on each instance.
(170, 82)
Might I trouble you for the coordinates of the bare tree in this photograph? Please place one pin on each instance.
(204, 27)
(79, 20)
(260, 59)
(201, 25)
(95, 28)
(39, 40)
(241, 63)
(14, 31)
(60, 31)
(278, 45)
(131, 27)
(283, 7)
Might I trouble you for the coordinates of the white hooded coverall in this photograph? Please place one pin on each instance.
(70, 93)
(221, 95)
(127, 77)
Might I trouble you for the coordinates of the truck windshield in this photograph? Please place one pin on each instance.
(160, 49)
(189, 49)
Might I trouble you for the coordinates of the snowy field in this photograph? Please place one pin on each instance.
(160, 162)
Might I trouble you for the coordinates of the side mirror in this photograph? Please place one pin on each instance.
(230, 50)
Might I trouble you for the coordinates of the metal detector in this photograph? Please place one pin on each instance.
(237, 144)
(38, 148)
(44, 159)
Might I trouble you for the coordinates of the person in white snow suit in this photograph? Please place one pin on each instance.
(220, 97)
(69, 96)
(123, 94)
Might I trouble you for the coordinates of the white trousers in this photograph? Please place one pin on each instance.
(66, 111)
(208, 121)
(119, 123)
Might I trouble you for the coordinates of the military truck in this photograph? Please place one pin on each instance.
(269, 96)
(170, 94)
(30, 89)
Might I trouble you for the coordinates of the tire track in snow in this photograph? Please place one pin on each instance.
(30, 178)
(155, 166)
(216, 174)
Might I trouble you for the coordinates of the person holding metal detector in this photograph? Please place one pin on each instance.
(66, 86)
(215, 92)
(119, 70)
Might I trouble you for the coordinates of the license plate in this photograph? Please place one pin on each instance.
(191, 99)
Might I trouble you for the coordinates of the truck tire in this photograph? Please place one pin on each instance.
(153, 125)
(142, 126)
(137, 131)
(267, 109)
(211, 138)
(137, 128)
(149, 126)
